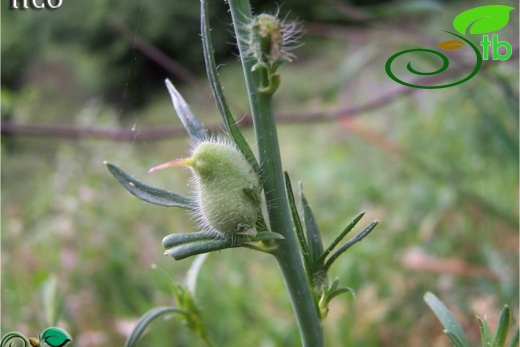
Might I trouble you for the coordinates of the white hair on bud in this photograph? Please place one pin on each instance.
(218, 185)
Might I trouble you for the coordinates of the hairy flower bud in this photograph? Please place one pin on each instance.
(266, 38)
(226, 187)
(271, 40)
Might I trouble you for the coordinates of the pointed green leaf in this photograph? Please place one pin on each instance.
(503, 327)
(451, 327)
(56, 337)
(332, 294)
(341, 236)
(515, 338)
(52, 301)
(483, 19)
(183, 245)
(485, 332)
(312, 233)
(147, 318)
(268, 235)
(218, 94)
(334, 285)
(150, 194)
(189, 249)
(193, 273)
(455, 339)
(360, 236)
(177, 239)
(188, 119)
(327, 297)
(300, 233)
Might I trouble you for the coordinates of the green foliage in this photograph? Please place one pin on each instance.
(30, 38)
(52, 301)
(56, 196)
(147, 319)
(457, 336)
(150, 194)
(170, 26)
(451, 327)
(187, 310)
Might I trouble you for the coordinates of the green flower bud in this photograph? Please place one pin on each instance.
(271, 40)
(266, 38)
(226, 187)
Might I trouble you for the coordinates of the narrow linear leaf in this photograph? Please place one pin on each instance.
(268, 235)
(194, 128)
(52, 301)
(334, 285)
(148, 193)
(451, 45)
(193, 273)
(450, 324)
(341, 236)
(189, 249)
(485, 332)
(514, 339)
(360, 236)
(330, 293)
(147, 318)
(483, 19)
(177, 239)
(502, 328)
(340, 291)
(455, 339)
(218, 94)
(312, 233)
(300, 233)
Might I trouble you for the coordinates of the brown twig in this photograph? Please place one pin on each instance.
(416, 259)
(73, 133)
(154, 53)
(161, 133)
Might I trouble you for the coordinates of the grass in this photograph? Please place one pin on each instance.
(409, 165)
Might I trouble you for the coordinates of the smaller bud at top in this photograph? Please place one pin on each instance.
(271, 40)
(267, 37)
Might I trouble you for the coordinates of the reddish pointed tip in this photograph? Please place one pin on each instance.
(173, 163)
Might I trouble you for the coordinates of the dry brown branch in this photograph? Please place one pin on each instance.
(161, 133)
(154, 53)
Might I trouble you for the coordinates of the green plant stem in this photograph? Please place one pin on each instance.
(287, 255)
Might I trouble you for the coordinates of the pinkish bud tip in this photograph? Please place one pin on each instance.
(173, 163)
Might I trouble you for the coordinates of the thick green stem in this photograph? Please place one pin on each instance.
(287, 255)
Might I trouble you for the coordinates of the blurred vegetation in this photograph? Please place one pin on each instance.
(88, 31)
(438, 168)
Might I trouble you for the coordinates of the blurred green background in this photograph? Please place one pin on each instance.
(439, 168)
